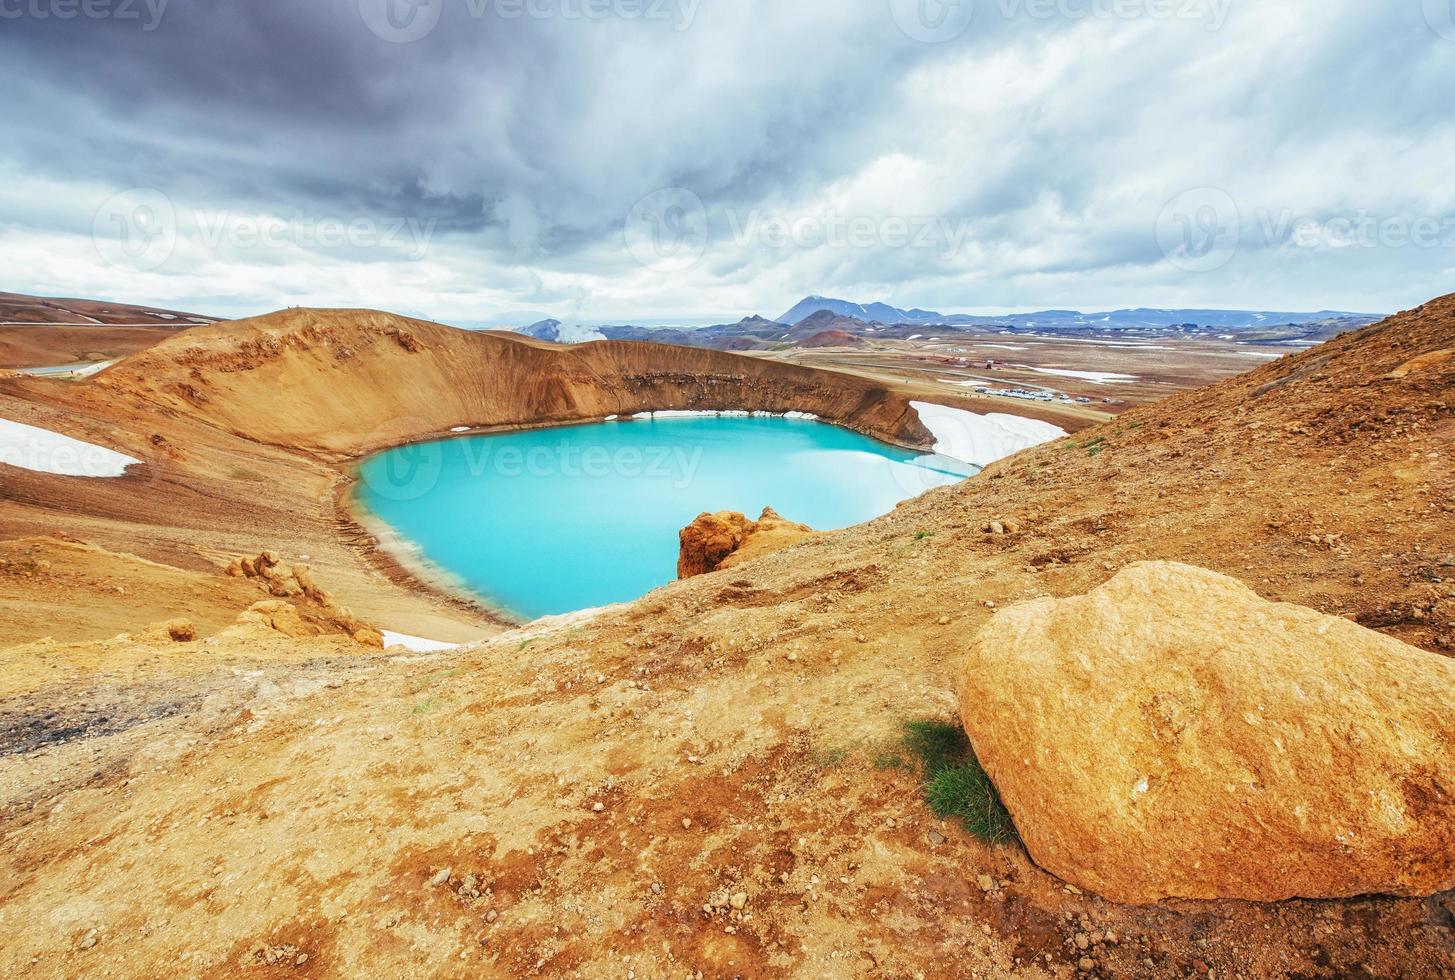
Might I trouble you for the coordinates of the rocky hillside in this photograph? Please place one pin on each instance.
(711, 780)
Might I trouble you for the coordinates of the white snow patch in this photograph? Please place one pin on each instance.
(1258, 353)
(415, 644)
(982, 439)
(917, 336)
(612, 418)
(1124, 344)
(1003, 346)
(1095, 377)
(461, 428)
(726, 413)
(44, 451)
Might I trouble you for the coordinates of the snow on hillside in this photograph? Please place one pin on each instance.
(43, 451)
(982, 439)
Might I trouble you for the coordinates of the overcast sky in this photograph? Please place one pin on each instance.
(610, 160)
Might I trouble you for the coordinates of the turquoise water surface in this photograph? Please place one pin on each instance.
(555, 520)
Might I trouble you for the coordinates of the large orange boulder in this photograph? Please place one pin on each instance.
(1171, 734)
(725, 539)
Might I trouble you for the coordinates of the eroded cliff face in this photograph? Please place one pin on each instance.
(345, 382)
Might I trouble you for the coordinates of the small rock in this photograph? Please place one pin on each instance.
(987, 884)
(598, 806)
(1087, 964)
(1083, 941)
(88, 940)
(440, 877)
(943, 621)
(739, 900)
(686, 823)
(935, 838)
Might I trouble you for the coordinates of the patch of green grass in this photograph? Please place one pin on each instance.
(965, 792)
(921, 535)
(955, 785)
(827, 757)
(425, 706)
(1095, 451)
(891, 760)
(430, 680)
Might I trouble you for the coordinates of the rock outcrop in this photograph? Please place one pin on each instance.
(300, 608)
(727, 538)
(1172, 734)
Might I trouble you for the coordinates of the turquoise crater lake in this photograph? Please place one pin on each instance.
(555, 520)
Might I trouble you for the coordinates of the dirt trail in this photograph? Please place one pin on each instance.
(695, 782)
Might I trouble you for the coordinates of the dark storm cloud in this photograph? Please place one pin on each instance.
(252, 101)
(1049, 134)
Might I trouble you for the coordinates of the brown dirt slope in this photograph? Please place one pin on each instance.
(343, 382)
(21, 308)
(706, 779)
(27, 347)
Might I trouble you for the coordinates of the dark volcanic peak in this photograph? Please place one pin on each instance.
(870, 312)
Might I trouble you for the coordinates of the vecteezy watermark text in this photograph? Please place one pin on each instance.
(410, 235)
(939, 21)
(1360, 229)
(843, 231)
(147, 13)
(403, 21)
(1201, 230)
(412, 471)
(667, 230)
(140, 229)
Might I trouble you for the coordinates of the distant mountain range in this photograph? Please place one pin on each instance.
(856, 324)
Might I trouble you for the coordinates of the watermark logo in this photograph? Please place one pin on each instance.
(1440, 15)
(1200, 230)
(136, 229)
(667, 230)
(933, 21)
(147, 13)
(408, 473)
(401, 21)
